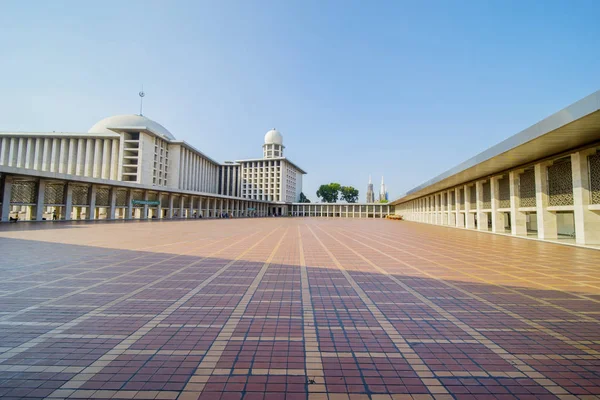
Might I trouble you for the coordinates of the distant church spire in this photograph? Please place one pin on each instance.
(370, 193)
(382, 191)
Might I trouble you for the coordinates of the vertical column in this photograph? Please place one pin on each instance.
(39, 204)
(129, 204)
(482, 221)
(68, 201)
(181, 208)
(159, 205)
(214, 207)
(469, 217)
(91, 213)
(546, 220)
(497, 217)
(145, 208)
(191, 210)
(587, 222)
(112, 202)
(6, 195)
(221, 207)
(518, 219)
(171, 209)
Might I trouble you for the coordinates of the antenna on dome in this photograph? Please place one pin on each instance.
(141, 94)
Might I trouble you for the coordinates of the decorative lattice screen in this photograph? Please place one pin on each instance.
(122, 198)
(164, 201)
(102, 197)
(461, 198)
(80, 195)
(152, 196)
(486, 188)
(594, 163)
(504, 193)
(451, 201)
(23, 192)
(54, 194)
(560, 184)
(138, 195)
(186, 202)
(527, 189)
(472, 197)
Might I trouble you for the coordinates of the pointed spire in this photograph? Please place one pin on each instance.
(370, 179)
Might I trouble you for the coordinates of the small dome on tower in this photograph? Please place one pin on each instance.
(274, 137)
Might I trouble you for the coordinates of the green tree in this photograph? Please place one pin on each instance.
(329, 193)
(384, 201)
(303, 198)
(349, 194)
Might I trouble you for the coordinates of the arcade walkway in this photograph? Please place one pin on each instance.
(294, 308)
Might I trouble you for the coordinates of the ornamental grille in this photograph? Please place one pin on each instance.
(80, 195)
(472, 196)
(461, 199)
(560, 184)
(54, 194)
(444, 200)
(137, 195)
(487, 195)
(527, 189)
(451, 201)
(23, 192)
(164, 201)
(186, 202)
(504, 193)
(121, 197)
(152, 196)
(595, 178)
(102, 197)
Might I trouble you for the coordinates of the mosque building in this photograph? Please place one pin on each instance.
(134, 149)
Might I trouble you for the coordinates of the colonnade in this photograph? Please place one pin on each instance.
(551, 199)
(30, 198)
(360, 210)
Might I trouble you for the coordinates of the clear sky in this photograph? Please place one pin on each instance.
(405, 89)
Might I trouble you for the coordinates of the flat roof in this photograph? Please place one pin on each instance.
(574, 126)
(274, 158)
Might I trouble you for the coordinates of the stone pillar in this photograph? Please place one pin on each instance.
(112, 208)
(181, 208)
(6, 195)
(518, 219)
(457, 206)
(587, 222)
(191, 209)
(547, 224)
(496, 216)
(145, 206)
(129, 207)
(159, 206)
(39, 204)
(469, 217)
(68, 201)
(221, 208)
(171, 201)
(91, 212)
(482, 219)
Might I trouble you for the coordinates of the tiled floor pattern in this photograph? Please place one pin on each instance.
(267, 309)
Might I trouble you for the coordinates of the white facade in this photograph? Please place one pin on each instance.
(135, 149)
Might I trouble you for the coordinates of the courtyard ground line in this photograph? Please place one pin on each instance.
(78, 380)
(198, 380)
(521, 365)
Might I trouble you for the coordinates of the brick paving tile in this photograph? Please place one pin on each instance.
(290, 309)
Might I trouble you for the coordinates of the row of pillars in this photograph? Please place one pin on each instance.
(340, 210)
(514, 219)
(198, 207)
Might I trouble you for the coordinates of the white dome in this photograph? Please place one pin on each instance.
(130, 120)
(274, 137)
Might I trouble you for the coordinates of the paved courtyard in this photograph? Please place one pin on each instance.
(266, 309)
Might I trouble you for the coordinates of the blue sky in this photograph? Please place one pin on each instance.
(401, 89)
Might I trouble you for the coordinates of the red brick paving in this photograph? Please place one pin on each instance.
(338, 309)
